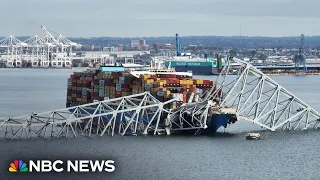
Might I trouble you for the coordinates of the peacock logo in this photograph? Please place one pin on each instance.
(18, 166)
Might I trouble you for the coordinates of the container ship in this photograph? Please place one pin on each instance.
(109, 82)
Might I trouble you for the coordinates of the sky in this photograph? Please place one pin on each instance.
(132, 18)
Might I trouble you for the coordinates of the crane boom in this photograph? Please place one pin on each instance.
(50, 35)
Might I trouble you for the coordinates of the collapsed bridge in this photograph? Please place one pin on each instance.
(254, 96)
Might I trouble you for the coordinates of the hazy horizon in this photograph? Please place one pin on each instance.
(143, 18)
(173, 36)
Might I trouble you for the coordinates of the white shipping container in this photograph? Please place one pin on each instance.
(121, 81)
(118, 88)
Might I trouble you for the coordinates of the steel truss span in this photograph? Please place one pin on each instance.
(259, 99)
(255, 96)
(139, 114)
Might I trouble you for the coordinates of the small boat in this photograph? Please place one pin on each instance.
(253, 136)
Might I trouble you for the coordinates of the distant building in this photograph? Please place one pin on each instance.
(109, 49)
(120, 47)
(145, 48)
(168, 45)
(142, 42)
(139, 44)
(135, 44)
(162, 46)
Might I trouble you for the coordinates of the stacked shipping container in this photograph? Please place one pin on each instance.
(91, 85)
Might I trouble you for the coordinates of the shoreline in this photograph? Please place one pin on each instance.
(291, 74)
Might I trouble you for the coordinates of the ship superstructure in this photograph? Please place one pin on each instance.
(198, 66)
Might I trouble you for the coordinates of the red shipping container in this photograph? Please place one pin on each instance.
(206, 82)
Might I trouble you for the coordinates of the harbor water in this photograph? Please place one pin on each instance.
(227, 155)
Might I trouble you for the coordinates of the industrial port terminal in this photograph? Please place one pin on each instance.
(53, 50)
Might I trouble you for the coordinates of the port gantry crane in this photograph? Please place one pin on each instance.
(39, 51)
(14, 47)
(61, 44)
(36, 45)
(254, 95)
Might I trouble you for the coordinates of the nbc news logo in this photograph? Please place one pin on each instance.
(60, 166)
(18, 166)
